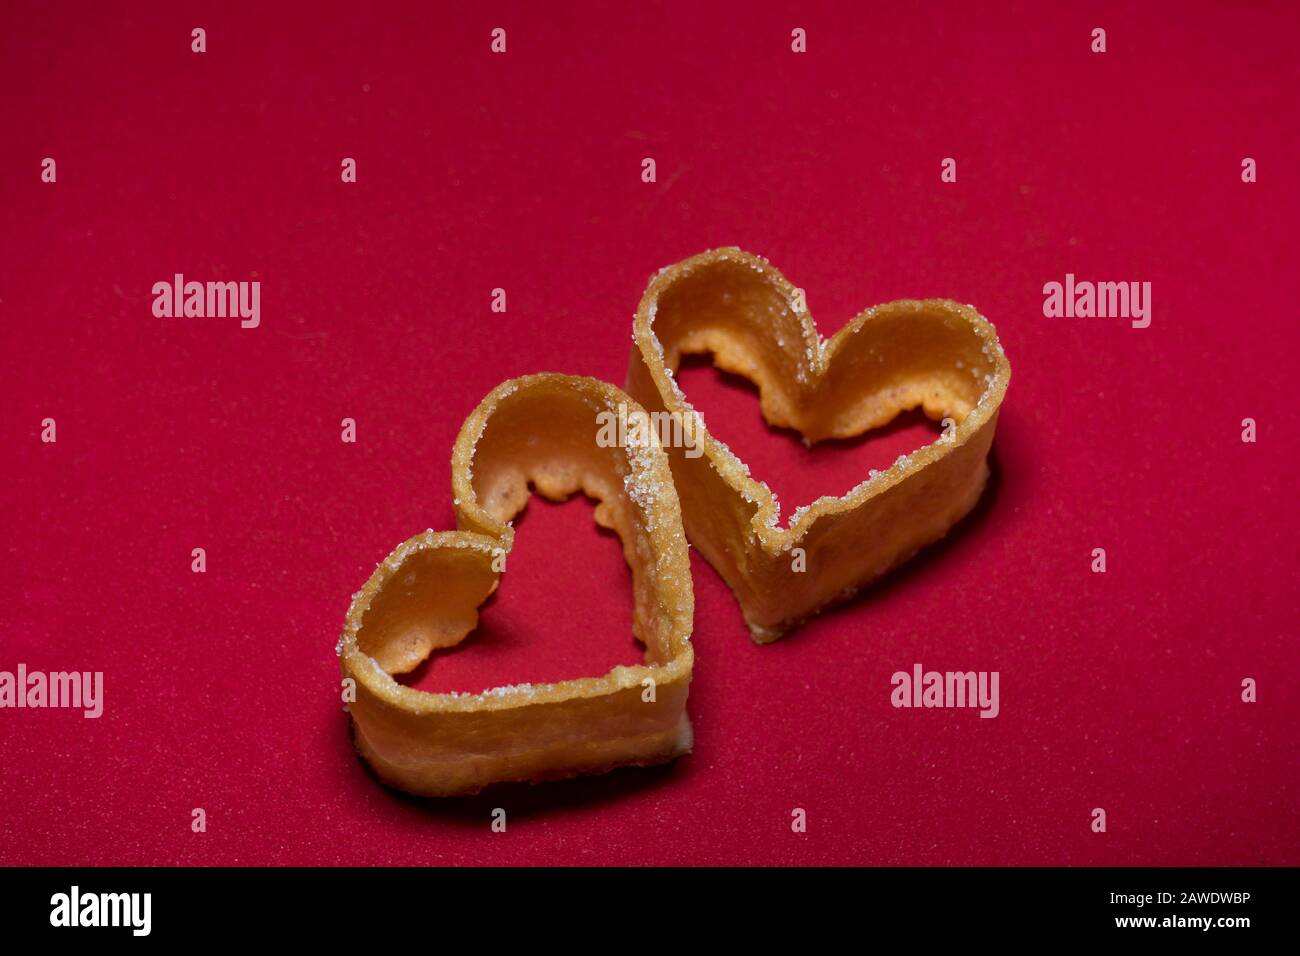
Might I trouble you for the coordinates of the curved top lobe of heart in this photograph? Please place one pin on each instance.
(933, 354)
(539, 431)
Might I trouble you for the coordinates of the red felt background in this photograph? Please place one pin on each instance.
(522, 171)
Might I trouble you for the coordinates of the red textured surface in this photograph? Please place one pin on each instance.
(1119, 691)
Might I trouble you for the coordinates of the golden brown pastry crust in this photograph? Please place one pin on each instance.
(934, 354)
(540, 429)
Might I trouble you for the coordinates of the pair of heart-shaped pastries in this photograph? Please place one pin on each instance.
(551, 432)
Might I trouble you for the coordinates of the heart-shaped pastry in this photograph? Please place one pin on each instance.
(540, 430)
(933, 354)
